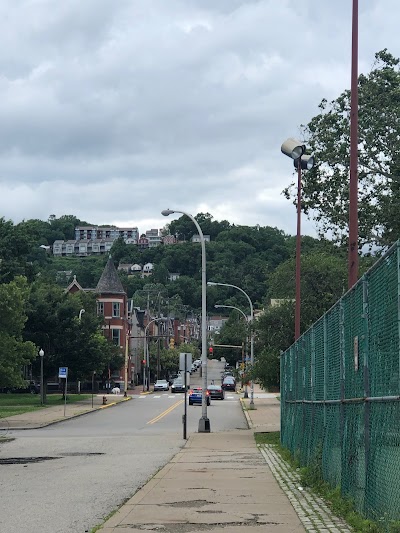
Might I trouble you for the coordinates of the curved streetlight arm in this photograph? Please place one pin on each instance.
(239, 289)
(217, 306)
(204, 423)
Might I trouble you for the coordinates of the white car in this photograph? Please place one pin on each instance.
(161, 384)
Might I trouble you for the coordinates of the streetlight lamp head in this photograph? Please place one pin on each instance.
(167, 212)
(306, 162)
(41, 352)
(211, 283)
(217, 306)
(293, 148)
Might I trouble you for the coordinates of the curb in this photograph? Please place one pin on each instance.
(53, 422)
(246, 414)
(110, 404)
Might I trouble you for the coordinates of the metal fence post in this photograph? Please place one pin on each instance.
(367, 405)
(342, 387)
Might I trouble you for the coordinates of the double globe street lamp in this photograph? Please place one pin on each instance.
(296, 150)
(204, 422)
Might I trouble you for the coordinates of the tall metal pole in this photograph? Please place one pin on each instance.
(298, 255)
(41, 354)
(353, 197)
(204, 422)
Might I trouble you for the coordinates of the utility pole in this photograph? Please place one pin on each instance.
(158, 341)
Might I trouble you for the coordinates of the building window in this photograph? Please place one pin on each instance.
(100, 308)
(116, 336)
(116, 310)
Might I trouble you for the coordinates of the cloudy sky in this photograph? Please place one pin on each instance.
(112, 110)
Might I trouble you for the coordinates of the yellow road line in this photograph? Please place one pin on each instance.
(161, 415)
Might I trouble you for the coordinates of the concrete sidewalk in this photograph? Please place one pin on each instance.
(224, 483)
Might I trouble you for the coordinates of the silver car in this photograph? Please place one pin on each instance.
(161, 384)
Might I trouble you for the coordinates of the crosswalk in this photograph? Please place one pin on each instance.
(166, 396)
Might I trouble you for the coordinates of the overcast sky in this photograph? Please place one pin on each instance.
(112, 110)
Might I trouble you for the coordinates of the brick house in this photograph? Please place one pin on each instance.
(111, 301)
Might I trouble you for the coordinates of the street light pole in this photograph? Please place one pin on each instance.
(251, 406)
(204, 422)
(217, 306)
(41, 354)
(147, 353)
(294, 149)
(353, 186)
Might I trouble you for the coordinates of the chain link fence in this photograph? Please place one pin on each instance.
(340, 394)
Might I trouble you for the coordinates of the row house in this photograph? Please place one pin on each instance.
(130, 235)
(81, 248)
(136, 269)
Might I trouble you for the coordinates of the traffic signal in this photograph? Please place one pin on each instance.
(143, 362)
(211, 350)
(171, 344)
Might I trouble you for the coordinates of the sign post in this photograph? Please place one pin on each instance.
(184, 360)
(63, 374)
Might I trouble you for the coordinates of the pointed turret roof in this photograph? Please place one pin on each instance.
(109, 282)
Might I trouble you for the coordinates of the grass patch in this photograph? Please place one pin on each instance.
(16, 404)
(311, 477)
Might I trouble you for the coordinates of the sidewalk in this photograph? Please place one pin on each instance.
(222, 482)
(51, 415)
(219, 482)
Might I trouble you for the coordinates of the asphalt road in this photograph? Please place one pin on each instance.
(67, 477)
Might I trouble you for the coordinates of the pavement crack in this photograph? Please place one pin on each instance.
(24, 460)
(179, 527)
(191, 503)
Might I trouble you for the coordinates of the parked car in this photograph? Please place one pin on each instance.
(229, 383)
(216, 391)
(178, 386)
(161, 384)
(196, 396)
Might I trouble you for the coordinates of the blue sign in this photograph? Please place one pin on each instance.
(63, 372)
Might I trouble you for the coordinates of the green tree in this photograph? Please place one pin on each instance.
(53, 324)
(14, 352)
(323, 282)
(14, 248)
(325, 191)
(234, 332)
(274, 332)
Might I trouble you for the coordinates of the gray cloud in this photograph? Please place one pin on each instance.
(113, 111)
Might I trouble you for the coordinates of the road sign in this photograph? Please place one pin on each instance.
(185, 361)
(63, 372)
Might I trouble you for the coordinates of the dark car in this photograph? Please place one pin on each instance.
(216, 391)
(178, 386)
(196, 396)
(229, 383)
